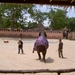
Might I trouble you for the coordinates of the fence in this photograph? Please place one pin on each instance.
(39, 71)
(33, 34)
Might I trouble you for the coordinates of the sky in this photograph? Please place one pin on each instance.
(71, 11)
(44, 8)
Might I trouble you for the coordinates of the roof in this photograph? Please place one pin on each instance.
(65, 28)
(40, 27)
(50, 2)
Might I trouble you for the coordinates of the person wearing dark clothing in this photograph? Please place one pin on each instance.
(60, 47)
(20, 35)
(43, 33)
(65, 34)
(20, 46)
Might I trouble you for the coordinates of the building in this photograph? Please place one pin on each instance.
(40, 27)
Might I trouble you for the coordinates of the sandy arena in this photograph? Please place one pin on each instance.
(11, 60)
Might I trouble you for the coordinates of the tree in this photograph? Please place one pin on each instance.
(13, 14)
(32, 25)
(71, 25)
(57, 18)
(38, 16)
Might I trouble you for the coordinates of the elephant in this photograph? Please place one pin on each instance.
(41, 45)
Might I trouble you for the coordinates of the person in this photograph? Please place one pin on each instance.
(65, 34)
(21, 35)
(20, 46)
(60, 47)
(43, 33)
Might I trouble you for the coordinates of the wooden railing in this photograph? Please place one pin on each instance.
(59, 71)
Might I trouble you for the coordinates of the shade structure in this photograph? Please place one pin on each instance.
(65, 29)
(50, 2)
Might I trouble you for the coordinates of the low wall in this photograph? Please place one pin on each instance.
(73, 35)
(33, 34)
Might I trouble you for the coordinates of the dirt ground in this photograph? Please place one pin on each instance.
(11, 60)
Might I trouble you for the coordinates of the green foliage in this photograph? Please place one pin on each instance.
(71, 25)
(38, 16)
(12, 15)
(32, 25)
(17, 16)
(58, 19)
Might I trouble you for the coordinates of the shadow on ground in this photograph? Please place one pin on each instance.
(48, 60)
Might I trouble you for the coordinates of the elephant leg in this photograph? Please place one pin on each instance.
(38, 52)
(42, 49)
(44, 54)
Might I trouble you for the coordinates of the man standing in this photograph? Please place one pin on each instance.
(60, 47)
(20, 46)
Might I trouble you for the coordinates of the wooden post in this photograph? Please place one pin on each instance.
(58, 73)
